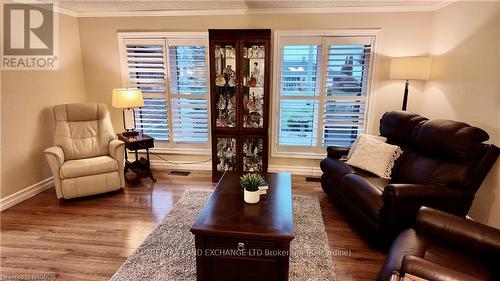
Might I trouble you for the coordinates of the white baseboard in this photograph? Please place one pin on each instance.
(162, 165)
(295, 170)
(25, 193)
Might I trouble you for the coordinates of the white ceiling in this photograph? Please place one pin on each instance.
(185, 7)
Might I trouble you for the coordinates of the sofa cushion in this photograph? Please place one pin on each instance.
(456, 259)
(417, 168)
(365, 194)
(88, 166)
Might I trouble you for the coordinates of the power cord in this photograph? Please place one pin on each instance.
(176, 162)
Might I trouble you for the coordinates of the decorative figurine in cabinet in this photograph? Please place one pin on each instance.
(239, 97)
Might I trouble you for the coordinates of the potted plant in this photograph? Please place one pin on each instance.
(250, 184)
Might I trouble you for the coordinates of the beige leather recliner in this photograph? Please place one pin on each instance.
(87, 158)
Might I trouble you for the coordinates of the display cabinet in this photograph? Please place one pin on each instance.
(239, 97)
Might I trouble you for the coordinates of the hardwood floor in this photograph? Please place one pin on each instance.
(89, 238)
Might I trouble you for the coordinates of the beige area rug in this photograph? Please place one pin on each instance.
(168, 252)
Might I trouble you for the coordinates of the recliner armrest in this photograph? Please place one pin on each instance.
(55, 158)
(116, 148)
(465, 234)
(411, 192)
(336, 152)
(117, 151)
(57, 152)
(432, 271)
(402, 202)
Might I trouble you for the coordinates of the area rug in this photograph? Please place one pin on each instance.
(168, 252)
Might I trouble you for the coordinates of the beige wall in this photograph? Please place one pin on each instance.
(26, 119)
(402, 34)
(465, 83)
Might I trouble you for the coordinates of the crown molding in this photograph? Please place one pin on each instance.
(67, 12)
(232, 12)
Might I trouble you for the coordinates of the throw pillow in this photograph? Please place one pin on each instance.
(353, 146)
(375, 156)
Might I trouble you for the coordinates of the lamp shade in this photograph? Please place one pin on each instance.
(127, 98)
(410, 68)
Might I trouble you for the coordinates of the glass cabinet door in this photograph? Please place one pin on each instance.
(253, 71)
(253, 153)
(226, 82)
(226, 155)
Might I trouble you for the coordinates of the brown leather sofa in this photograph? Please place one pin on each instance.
(443, 164)
(444, 247)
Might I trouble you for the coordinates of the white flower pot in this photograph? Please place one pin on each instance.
(251, 197)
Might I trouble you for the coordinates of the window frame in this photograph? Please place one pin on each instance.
(170, 146)
(318, 151)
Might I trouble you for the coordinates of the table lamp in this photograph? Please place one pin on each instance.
(128, 98)
(410, 68)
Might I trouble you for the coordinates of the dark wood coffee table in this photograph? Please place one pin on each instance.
(239, 241)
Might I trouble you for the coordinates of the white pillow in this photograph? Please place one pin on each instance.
(374, 156)
(353, 146)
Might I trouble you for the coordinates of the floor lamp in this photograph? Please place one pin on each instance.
(410, 68)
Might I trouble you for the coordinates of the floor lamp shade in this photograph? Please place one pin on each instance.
(410, 68)
(128, 98)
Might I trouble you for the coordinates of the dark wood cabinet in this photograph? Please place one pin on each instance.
(239, 97)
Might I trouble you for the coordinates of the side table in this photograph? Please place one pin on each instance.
(141, 167)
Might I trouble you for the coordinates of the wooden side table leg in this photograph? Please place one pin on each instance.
(149, 165)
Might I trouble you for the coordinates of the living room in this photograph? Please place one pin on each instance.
(350, 116)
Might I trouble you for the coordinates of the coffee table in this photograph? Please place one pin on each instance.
(238, 241)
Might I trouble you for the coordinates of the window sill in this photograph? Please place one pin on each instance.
(299, 155)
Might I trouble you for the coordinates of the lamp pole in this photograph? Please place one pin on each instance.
(405, 97)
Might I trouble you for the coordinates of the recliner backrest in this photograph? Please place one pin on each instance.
(83, 130)
(437, 152)
(397, 126)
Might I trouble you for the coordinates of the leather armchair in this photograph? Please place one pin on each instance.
(442, 166)
(445, 247)
(87, 158)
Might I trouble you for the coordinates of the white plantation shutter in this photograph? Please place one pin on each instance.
(146, 70)
(346, 85)
(188, 91)
(299, 92)
(172, 74)
(323, 91)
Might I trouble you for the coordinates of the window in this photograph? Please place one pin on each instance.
(172, 74)
(321, 86)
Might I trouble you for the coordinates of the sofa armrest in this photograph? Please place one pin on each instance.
(55, 158)
(474, 237)
(432, 271)
(336, 152)
(402, 202)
